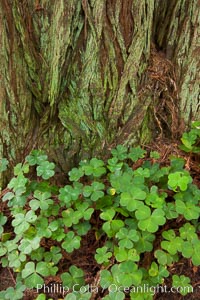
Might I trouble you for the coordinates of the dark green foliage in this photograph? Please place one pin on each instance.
(133, 205)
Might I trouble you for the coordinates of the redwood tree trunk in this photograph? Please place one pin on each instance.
(79, 77)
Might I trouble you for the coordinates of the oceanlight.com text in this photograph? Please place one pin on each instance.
(113, 288)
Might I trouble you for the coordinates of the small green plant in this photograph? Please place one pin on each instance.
(124, 208)
(191, 139)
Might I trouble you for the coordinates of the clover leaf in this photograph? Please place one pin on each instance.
(22, 221)
(120, 152)
(28, 245)
(46, 169)
(14, 293)
(155, 200)
(36, 157)
(3, 220)
(108, 214)
(71, 242)
(70, 216)
(182, 282)
(15, 259)
(42, 227)
(179, 179)
(136, 153)
(158, 272)
(127, 237)
(53, 255)
(188, 231)
(82, 228)
(32, 273)
(148, 221)
(18, 184)
(73, 278)
(123, 254)
(131, 199)
(95, 167)
(188, 209)
(69, 193)
(114, 165)
(145, 242)
(75, 174)
(128, 274)
(102, 255)
(94, 191)
(173, 243)
(85, 210)
(163, 258)
(41, 200)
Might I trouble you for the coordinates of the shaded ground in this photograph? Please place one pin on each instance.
(84, 257)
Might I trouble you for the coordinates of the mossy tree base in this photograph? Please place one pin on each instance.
(79, 77)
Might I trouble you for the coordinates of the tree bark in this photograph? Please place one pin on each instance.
(80, 77)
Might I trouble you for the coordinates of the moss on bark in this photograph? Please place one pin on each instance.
(79, 77)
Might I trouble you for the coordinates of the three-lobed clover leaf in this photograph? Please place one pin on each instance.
(188, 232)
(145, 242)
(128, 274)
(46, 169)
(95, 167)
(163, 258)
(150, 221)
(33, 273)
(172, 243)
(189, 210)
(54, 255)
(124, 254)
(74, 278)
(14, 293)
(108, 214)
(190, 139)
(36, 157)
(82, 228)
(158, 272)
(102, 255)
(127, 237)
(22, 221)
(136, 153)
(131, 199)
(70, 217)
(18, 184)
(179, 180)
(170, 211)
(71, 242)
(114, 165)
(41, 200)
(28, 245)
(85, 210)
(15, 259)
(111, 226)
(120, 152)
(42, 227)
(154, 199)
(69, 193)
(94, 191)
(75, 174)
(21, 168)
(182, 283)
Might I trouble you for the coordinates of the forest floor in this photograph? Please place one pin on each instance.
(84, 257)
